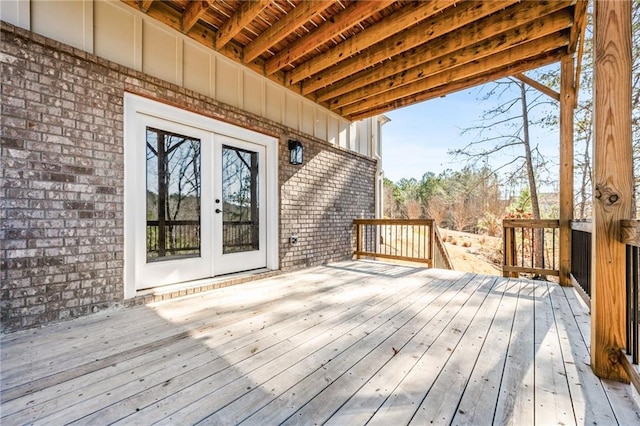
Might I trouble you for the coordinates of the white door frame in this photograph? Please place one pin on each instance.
(136, 109)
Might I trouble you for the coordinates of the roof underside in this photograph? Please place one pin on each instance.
(362, 58)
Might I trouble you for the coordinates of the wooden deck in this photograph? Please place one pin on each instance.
(345, 344)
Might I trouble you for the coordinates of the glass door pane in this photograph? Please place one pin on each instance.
(240, 200)
(173, 195)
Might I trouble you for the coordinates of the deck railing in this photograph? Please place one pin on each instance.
(631, 237)
(530, 246)
(581, 256)
(412, 240)
(581, 253)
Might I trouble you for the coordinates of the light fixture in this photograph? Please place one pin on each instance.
(295, 152)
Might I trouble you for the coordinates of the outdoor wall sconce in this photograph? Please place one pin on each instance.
(295, 152)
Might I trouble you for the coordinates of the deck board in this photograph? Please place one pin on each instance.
(351, 343)
(478, 402)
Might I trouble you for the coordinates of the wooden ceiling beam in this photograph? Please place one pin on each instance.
(580, 24)
(474, 52)
(246, 13)
(478, 31)
(419, 35)
(455, 86)
(350, 17)
(538, 86)
(193, 12)
(303, 12)
(144, 5)
(498, 61)
(407, 16)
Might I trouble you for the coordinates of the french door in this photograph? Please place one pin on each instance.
(239, 214)
(204, 197)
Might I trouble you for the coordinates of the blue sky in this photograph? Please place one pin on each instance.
(418, 137)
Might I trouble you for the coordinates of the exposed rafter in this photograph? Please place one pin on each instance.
(494, 62)
(240, 19)
(144, 5)
(349, 18)
(417, 35)
(400, 20)
(193, 12)
(474, 33)
(283, 27)
(455, 86)
(470, 53)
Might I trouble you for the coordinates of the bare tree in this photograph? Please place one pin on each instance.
(505, 130)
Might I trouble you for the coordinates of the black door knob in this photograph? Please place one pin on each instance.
(218, 211)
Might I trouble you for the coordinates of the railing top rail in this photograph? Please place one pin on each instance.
(630, 223)
(443, 250)
(424, 222)
(531, 223)
(630, 232)
(173, 222)
(583, 226)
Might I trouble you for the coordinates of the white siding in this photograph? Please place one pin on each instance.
(68, 21)
(16, 12)
(344, 139)
(118, 35)
(321, 124)
(275, 102)
(124, 35)
(227, 81)
(308, 118)
(253, 93)
(292, 106)
(333, 130)
(161, 49)
(197, 71)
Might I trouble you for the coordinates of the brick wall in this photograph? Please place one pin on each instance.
(62, 180)
(319, 201)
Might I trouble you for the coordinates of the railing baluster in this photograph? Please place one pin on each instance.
(413, 239)
(522, 257)
(553, 248)
(630, 310)
(636, 272)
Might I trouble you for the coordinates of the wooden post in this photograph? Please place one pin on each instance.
(567, 104)
(509, 251)
(432, 244)
(613, 189)
(358, 239)
(506, 250)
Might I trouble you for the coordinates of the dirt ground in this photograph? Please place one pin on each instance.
(472, 252)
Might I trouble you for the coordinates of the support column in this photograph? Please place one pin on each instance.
(612, 179)
(567, 105)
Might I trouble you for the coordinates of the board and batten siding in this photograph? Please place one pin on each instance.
(121, 34)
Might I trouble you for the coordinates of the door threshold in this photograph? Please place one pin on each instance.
(172, 291)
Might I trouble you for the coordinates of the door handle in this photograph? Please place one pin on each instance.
(218, 211)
